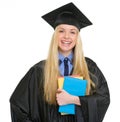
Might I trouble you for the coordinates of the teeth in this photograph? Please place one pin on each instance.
(66, 42)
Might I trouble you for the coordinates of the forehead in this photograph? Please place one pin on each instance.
(66, 26)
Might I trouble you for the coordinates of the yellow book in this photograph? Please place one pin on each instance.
(60, 82)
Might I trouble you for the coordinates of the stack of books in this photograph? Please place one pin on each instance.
(74, 85)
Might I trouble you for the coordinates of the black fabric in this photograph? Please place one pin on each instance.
(67, 18)
(67, 14)
(66, 68)
(28, 105)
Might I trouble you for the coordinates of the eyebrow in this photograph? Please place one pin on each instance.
(70, 29)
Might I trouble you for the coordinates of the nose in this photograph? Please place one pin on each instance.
(66, 35)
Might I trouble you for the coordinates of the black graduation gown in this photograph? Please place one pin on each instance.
(28, 105)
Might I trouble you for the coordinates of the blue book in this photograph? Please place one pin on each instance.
(73, 86)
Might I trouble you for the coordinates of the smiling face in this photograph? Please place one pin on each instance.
(67, 37)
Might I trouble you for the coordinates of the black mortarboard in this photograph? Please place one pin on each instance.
(67, 14)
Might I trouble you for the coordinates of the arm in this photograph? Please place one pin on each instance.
(95, 105)
(18, 115)
(64, 98)
(19, 101)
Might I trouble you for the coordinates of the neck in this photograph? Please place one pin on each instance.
(65, 54)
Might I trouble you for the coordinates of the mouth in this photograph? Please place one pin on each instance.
(66, 42)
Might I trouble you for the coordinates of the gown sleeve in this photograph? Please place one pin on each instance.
(94, 106)
(20, 101)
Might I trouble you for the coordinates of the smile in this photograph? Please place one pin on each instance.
(66, 42)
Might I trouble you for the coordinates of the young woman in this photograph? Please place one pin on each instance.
(37, 96)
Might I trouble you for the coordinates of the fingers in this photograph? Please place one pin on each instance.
(58, 98)
(59, 90)
(62, 97)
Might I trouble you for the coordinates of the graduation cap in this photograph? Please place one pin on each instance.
(67, 14)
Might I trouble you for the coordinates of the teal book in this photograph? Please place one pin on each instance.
(73, 86)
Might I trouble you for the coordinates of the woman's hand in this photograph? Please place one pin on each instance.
(64, 98)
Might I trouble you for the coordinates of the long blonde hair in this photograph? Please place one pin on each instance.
(51, 72)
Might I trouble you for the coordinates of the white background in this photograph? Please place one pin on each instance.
(25, 38)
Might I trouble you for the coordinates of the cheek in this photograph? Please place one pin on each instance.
(59, 41)
(74, 40)
(73, 44)
(59, 38)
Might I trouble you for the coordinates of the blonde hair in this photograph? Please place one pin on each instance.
(51, 72)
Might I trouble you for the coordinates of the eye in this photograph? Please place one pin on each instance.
(73, 32)
(61, 31)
